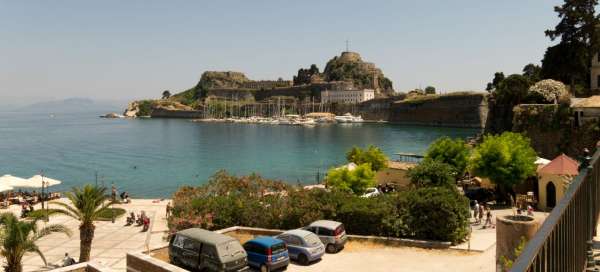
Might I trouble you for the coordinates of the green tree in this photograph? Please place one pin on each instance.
(453, 152)
(372, 155)
(432, 173)
(19, 237)
(88, 204)
(430, 90)
(507, 160)
(512, 90)
(437, 213)
(578, 33)
(532, 72)
(567, 62)
(355, 181)
(166, 94)
(498, 77)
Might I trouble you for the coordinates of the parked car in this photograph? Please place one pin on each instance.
(267, 253)
(371, 192)
(207, 251)
(303, 246)
(331, 233)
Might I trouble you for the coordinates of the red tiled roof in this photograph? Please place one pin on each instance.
(561, 165)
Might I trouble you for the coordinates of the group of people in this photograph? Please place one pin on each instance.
(140, 220)
(26, 208)
(124, 195)
(481, 210)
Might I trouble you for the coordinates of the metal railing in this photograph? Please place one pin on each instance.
(561, 243)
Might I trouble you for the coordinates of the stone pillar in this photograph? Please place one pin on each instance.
(509, 230)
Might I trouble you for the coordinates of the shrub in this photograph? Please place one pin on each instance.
(549, 91)
(437, 213)
(227, 201)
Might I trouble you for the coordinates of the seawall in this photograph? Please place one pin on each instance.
(184, 114)
(453, 110)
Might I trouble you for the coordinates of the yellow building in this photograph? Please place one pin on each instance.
(554, 180)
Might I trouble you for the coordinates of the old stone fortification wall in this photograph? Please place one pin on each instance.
(372, 110)
(453, 110)
(301, 91)
(552, 130)
(164, 113)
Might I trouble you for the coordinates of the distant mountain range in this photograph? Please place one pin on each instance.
(73, 105)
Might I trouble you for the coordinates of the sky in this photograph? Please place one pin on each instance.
(122, 50)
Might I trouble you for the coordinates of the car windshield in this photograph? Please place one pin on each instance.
(278, 248)
(230, 248)
(340, 229)
(312, 240)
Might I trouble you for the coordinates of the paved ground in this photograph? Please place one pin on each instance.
(111, 242)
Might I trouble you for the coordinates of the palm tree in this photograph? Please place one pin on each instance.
(87, 205)
(19, 237)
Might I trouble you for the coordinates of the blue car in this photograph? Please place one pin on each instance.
(267, 254)
(303, 246)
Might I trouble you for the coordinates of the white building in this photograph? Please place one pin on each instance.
(347, 96)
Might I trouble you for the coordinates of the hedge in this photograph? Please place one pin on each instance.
(226, 201)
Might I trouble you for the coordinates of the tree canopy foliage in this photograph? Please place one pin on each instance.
(505, 159)
(372, 155)
(452, 152)
(512, 90)
(569, 61)
(355, 181)
(430, 90)
(432, 173)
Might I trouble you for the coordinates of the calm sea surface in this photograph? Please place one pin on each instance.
(151, 158)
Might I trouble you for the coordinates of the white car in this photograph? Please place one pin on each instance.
(371, 192)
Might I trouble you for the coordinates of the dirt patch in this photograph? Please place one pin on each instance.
(242, 236)
(161, 254)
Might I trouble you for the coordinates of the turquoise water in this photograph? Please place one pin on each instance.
(151, 158)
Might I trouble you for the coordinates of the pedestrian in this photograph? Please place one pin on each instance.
(168, 210)
(67, 260)
(488, 218)
(114, 193)
(476, 212)
(481, 213)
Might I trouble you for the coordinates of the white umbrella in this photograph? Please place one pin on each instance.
(4, 187)
(12, 181)
(38, 181)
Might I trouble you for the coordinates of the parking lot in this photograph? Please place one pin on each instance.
(365, 256)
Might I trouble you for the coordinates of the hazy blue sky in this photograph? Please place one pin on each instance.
(135, 49)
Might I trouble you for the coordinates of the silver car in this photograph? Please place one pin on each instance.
(331, 233)
(303, 246)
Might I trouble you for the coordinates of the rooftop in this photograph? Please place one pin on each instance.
(205, 235)
(561, 165)
(590, 102)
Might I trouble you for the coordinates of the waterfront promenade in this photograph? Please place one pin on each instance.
(111, 242)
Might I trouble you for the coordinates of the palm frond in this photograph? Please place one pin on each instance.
(54, 228)
(68, 209)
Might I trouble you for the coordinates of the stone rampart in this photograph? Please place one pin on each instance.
(185, 114)
(452, 110)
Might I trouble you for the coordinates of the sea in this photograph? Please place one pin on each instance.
(152, 158)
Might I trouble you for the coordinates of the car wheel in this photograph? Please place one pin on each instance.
(264, 268)
(302, 259)
(331, 248)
